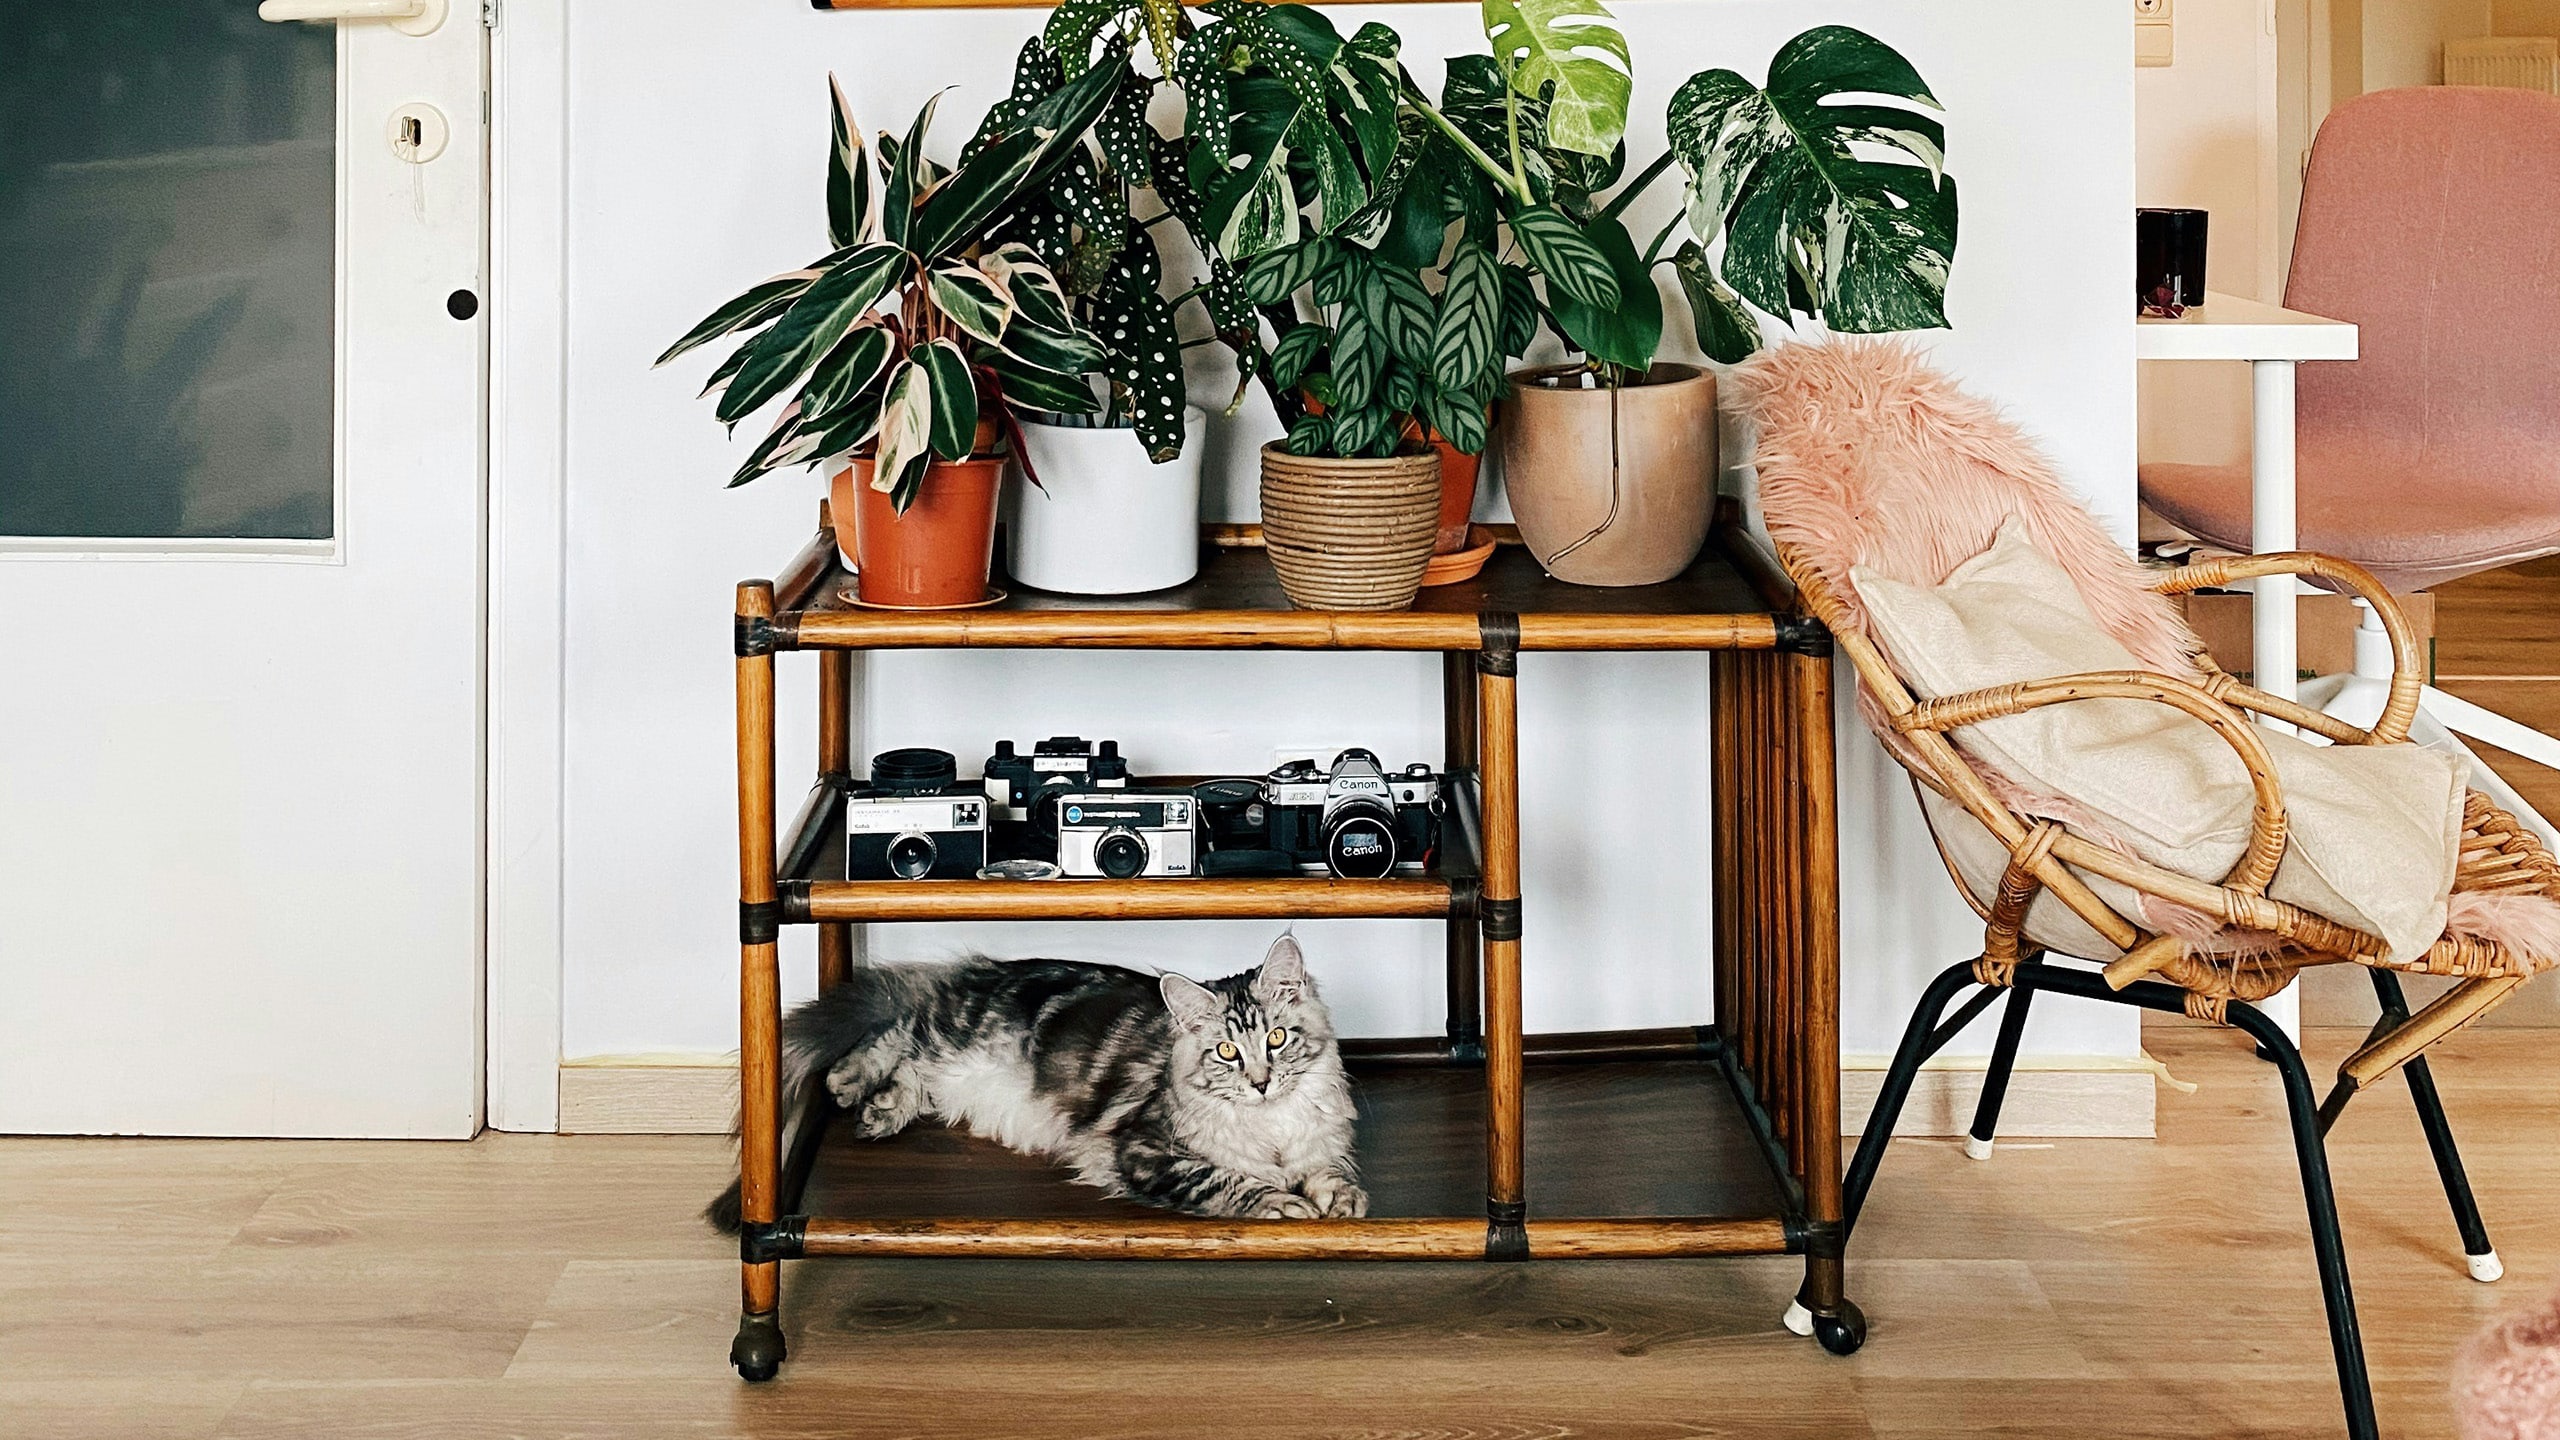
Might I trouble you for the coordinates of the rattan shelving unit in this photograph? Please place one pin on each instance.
(1747, 1107)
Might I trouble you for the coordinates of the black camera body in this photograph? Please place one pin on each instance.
(1027, 786)
(1352, 819)
(914, 820)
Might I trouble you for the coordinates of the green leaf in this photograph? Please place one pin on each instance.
(1466, 342)
(1576, 47)
(1296, 354)
(907, 175)
(1566, 255)
(954, 430)
(1275, 275)
(1137, 328)
(906, 435)
(1364, 430)
(1403, 312)
(1628, 330)
(1368, 89)
(1460, 418)
(1311, 436)
(1126, 137)
(1072, 27)
(1021, 157)
(726, 371)
(1028, 387)
(847, 429)
(854, 366)
(1726, 330)
(1359, 356)
(1520, 311)
(770, 452)
(848, 173)
(811, 327)
(1200, 72)
(760, 303)
(1812, 225)
(972, 300)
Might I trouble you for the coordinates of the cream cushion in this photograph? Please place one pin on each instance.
(2375, 831)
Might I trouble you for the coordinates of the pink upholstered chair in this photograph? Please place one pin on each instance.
(2426, 220)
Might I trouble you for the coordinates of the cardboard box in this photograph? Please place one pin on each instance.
(2325, 625)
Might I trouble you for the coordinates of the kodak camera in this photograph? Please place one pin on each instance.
(1125, 834)
(1353, 819)
(1027, 786)
(915, 820)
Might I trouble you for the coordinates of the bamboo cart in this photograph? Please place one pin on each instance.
(1718, 1139)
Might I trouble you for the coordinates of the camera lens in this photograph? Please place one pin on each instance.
(1120, 855)
(914, 771)
(1360, 841)
(911, 856)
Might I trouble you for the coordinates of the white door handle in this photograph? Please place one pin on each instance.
(409, 17)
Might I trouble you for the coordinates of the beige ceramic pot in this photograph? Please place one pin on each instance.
(1612, 504)
(1349, 534)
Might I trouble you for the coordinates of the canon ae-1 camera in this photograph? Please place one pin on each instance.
(1352, 819)
(914, 820)
(1124, 834)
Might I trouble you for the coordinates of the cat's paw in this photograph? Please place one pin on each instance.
(1281, 1205)
(889, 1110)
(1338, 1199)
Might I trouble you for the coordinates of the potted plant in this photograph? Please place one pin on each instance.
(1610, 461)
(1109, 499)
(908, 347)
(1304, 162)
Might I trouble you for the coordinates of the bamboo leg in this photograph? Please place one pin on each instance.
(1506, 1199)
(758, 1349)
(835, 758)
(1458, 758)
(1817, 1021)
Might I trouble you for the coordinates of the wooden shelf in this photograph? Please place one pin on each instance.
(1629, 1158)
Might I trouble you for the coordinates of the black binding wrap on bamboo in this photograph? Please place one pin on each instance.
(1506, 1230)
(1803, 635)
(784, 1239)
(1498, 919)
(759, 921)
(755, 636)
(1498, 641)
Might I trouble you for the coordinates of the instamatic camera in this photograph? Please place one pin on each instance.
(1353, 819)
(1027, 786)
(915, 820)
(1125, 834)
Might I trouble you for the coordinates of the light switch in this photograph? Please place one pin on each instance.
(2154, 10)
(2154, 44)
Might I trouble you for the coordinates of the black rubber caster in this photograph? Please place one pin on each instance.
(758, 1350)
(1843, 1333)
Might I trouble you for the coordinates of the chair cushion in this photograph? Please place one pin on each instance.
(2412, 529)
(2375, 830)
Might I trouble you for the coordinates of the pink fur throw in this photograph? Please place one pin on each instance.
(2506, 1380)
(1867, 457)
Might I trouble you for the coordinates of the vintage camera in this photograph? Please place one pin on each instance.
(1352, 819)
(1028, 786)
(914, 820)
(1123, 834)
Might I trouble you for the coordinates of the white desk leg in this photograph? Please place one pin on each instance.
(2271, 510)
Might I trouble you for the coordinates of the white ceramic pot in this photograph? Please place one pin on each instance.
(1104, 521)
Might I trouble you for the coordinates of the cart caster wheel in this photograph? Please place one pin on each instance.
(1843, 1333)
(758, 1350)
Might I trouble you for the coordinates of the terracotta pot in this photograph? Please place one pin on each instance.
(1349, 534)
(935, 555)
(1559, 451)
(1457, 495)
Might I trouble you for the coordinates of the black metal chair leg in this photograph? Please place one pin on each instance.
(2355, 1386)
(2479, 1255)
(1995, 1077)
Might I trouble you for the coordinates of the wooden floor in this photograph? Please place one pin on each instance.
(542, 1286)
(2498, 644)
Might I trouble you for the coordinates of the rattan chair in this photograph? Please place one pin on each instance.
(1814, 402)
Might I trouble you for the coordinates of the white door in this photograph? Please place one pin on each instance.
(241, 387)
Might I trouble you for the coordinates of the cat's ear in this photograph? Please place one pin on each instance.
(1190, 1001)
(1283, 975)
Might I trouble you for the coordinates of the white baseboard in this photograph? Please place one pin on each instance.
(633, 1095)
(2065, 1097)
(2059, 1097)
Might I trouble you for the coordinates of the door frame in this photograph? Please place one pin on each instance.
(528, 572)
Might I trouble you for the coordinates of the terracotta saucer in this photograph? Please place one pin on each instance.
(994, 597)
(1460, 565)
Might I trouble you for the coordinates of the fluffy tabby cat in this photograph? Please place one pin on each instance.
(1222, 1099)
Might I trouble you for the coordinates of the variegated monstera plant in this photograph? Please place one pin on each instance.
(919, 322)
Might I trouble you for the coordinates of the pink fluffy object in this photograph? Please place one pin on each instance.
(2506, 1380)
(1867, 456)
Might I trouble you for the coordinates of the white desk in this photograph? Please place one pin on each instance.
(2272, 340)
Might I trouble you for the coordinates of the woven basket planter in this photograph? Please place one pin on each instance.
(1349, 534)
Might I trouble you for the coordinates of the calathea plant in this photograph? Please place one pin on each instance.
(918, 322)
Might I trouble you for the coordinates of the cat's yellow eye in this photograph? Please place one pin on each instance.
(1227, 1050)
(1279, 1037)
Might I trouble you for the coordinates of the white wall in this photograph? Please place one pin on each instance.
(696, 143)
